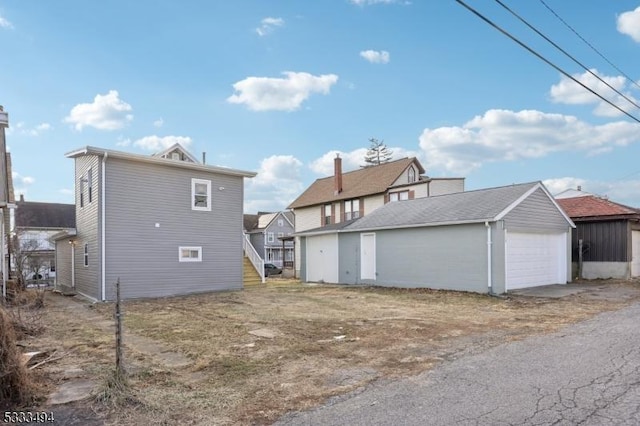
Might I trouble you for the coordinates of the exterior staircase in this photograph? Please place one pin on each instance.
(250, 276)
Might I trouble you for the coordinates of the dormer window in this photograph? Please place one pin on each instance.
(412, 174)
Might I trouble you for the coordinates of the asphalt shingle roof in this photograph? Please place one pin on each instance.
(461, 207)
(357, 183)
(592, 206)
(31, 214)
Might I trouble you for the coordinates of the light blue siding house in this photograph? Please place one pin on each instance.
(163, 225)
(486, 241)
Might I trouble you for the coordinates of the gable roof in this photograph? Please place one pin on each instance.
(477, 206)
(590, 206)
(253, 222)
(357, 183)
(149, 159)
(176, 147)
(30, 214)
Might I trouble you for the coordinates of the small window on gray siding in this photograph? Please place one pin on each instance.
(90, 184)
(86, 254)
(189, 254)
(200, 194)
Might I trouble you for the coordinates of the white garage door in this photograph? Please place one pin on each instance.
(322, 258)
(635, 253)
(536, 259)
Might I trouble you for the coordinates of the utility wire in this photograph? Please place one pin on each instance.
(539, 56)
(589, 44)
(524, 21)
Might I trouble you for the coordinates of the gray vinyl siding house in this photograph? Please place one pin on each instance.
(139, 219)
(485, 241)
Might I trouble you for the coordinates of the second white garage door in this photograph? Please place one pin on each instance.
(536, 259)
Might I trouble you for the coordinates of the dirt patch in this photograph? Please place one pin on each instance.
(323, 341)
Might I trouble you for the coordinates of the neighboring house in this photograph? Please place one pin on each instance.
(267, 232)
(346, 196)
(6, 203)
(610, 234)
(486, 241)
(162, 225)
(35, 225)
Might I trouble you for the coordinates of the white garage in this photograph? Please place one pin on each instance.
(535, 259)
(486, 241)
(321, 257)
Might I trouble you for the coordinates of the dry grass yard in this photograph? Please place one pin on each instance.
(248, 357)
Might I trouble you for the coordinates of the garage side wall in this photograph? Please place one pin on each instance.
(443, 257)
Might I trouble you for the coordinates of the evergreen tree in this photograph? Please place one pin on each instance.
(377, 154)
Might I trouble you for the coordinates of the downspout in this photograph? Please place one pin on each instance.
(103, 233)
(489, 244)
(73, 264)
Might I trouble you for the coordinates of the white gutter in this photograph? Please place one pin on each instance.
(489, 244)
(102, 231)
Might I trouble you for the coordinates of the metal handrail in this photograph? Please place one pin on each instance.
(254, 257)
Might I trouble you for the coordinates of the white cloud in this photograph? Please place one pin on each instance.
(502, 135)
(375, 56)
(277, 184)
(629, 24)
(280, 94)
(267, 25)
(4, 23)
(623, 192)
(122, 141)
(107, 112)
(158, 143)
(34, 131)
(21, 183)
(159, 122)
(351, 160)
(569, 92)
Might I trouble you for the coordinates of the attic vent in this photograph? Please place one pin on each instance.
(175, 156)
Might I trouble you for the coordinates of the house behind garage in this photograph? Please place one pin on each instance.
(610, 236)
(486, 241)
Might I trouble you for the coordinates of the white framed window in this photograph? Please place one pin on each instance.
(351, 209)
(90, 184)
(189, 254)
(280, 234)
(201, 194)
(81, 191)
(398, 196)
(175, 156)
(412, 174)
(86, 255)
(326, 217)
(270, 237)
(280, 223)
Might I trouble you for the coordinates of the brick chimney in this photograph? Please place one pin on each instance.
(337, 174)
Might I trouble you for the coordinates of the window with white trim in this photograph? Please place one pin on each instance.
(270, 237)
(90, 184)
(398, 196)
(190, 254)
(351, 209)
(412, 174)
(86, 255)
(81, 191)
(280, 223)
(280, 234)
(201, 194)
(326, 218)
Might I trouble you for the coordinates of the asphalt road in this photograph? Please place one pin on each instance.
(587, 374)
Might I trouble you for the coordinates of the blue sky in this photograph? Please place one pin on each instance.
(279, 87)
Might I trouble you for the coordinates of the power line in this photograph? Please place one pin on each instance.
(589, 44)
(524, 21)
(548, 62)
